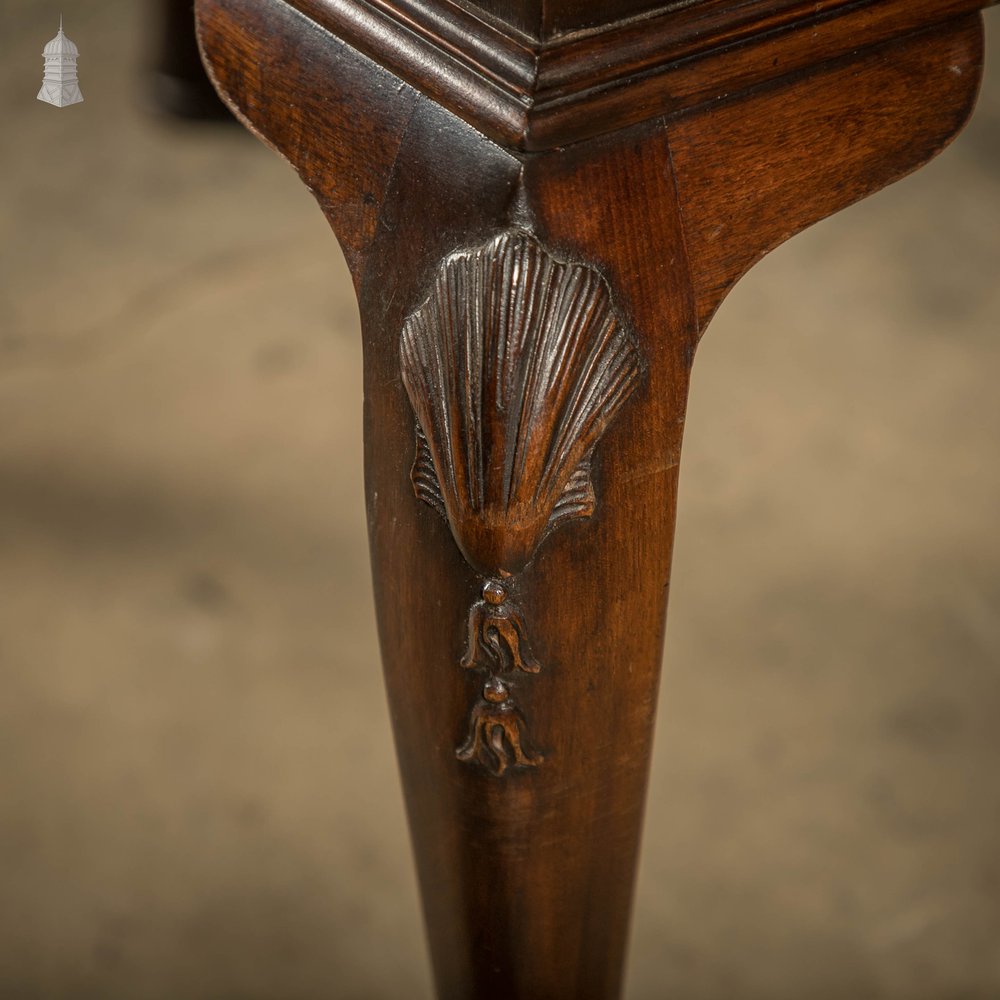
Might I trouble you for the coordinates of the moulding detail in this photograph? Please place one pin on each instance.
(528, 94)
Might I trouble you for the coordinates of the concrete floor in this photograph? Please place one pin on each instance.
(199, 797)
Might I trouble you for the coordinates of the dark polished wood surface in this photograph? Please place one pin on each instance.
(533, 95)
(552, 18)
(533, 284)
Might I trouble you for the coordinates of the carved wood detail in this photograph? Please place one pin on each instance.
(749, 120)
(534, 93)
(515, 364)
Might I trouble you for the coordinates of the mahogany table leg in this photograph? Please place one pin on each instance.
(529, 323)
(526, 863)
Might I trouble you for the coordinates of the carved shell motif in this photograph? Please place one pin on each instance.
(515, 365)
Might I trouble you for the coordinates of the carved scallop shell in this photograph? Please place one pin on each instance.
(515, 365)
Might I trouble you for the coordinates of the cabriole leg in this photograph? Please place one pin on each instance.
(529, 322)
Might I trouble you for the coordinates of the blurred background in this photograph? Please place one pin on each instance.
(198, 796)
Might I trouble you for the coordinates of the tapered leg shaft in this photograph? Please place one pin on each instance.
(527, 876)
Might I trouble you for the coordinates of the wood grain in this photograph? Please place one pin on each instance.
(535, 94)
(682, 172)
(756, 170)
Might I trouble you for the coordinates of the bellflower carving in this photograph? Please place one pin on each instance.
(515, 364)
